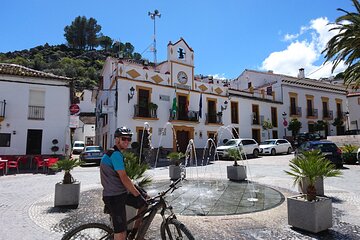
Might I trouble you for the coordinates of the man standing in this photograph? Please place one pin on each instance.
(118, 189)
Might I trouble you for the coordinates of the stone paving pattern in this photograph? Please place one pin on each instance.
(27, 212)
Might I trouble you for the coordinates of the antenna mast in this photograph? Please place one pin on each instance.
(153, 15)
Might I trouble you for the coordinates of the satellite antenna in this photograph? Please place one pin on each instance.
(153, 15)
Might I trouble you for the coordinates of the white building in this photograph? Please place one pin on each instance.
(228, 108)
(34, 111)
(86, 129)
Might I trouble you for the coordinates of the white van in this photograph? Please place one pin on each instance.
(78, 147)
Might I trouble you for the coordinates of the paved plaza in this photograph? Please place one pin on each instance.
(27, 212)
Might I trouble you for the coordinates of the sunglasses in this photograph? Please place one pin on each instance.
(126, 139)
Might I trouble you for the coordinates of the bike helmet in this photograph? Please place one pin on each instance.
(123, 131)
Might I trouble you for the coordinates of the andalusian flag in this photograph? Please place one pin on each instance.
(174, 104)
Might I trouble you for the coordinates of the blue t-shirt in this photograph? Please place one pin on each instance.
(110, 163)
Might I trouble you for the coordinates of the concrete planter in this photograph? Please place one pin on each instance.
(314, 216)
(236, 173)
(67, 195)
(175, 172)
(319, 185)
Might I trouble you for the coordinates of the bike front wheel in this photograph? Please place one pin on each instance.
(90, 231)
(175, 230)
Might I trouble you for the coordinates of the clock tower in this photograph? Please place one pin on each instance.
(181, 62)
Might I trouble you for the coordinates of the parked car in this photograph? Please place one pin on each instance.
(328, 148)
(275, 146)
(306, 136)
(358, 155)
(78, 147)
(250, 147)
(92, 154)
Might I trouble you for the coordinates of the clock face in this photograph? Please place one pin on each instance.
(182, 77)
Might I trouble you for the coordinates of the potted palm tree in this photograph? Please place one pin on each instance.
(236, 172)
(349, 153)
(309, 211)
(176, 158)
(67, 192)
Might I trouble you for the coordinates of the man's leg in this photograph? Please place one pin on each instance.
(116, 205)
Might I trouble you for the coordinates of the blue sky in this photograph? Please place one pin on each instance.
(227, 36)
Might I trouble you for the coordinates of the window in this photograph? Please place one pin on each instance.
(145, 138)
(274, 120)
(293, 106)
(36, 105)
(5, 139)
(275, 134)
(255, 114)
(269, 91)
(234, 113)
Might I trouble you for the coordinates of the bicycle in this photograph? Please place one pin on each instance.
(170, 228)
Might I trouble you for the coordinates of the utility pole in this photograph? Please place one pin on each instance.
(153, 15)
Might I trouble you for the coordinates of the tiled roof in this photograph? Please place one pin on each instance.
(18, 70)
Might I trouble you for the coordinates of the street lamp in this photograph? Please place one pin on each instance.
(347, 120)
(285, 123)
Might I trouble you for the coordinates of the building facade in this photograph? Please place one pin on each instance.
(34, 111)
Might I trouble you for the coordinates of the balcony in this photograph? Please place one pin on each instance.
(256, 119)
(328, 114)
(144, 112)
(215, 118)
(191, 116)
(312, 112)
(2, 110)
(36, 113)
(295, 111)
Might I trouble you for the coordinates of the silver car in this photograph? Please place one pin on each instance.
(249, 146)
(275, 146)
(92, 154)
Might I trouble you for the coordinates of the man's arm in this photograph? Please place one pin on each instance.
(127, 183)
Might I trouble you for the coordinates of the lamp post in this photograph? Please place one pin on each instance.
(285, 123)
(347, 120)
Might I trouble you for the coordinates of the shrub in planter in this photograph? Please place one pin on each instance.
(349, 153)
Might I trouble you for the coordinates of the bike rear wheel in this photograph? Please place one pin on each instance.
(175, 230)
(90, 231)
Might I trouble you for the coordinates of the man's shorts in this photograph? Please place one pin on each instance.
(116, 206)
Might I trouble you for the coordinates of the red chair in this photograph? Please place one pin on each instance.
(39, 163)
(2, 166)
(50, 162)
(13, 164)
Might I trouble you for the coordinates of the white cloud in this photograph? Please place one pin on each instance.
(305, 53)
(220, 76)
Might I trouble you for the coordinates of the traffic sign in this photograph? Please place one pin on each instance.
(74, 109)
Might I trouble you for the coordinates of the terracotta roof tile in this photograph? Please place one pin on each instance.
(18, 70)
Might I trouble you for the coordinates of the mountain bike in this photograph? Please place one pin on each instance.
(170, 228)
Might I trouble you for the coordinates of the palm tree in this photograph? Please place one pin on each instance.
(311, 165)
(345, 46)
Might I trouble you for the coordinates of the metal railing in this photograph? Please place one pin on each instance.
(144, 112)
(36, 113)
(312, 112)
(191, 116)
(295, 111)
(328, 114)
(213, 118)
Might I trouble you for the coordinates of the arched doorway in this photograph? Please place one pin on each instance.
(183, 135)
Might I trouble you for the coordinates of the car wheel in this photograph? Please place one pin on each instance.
(273, 152)
(255, 153)
(289, 150)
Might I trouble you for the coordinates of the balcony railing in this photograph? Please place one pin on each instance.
(144, 112)
(36, 113)
(2, 108)
(312, 112)
(328, 114)
(295, 111)
(213, 118)
(256, 119)
(191, 116)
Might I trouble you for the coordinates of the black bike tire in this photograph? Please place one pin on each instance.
(181, 228)
(76, 230)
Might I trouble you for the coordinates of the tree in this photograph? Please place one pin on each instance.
(82, 33)
(267, 125)
(345, 46)
(105, 42)
(294, 126)
(320, 125)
